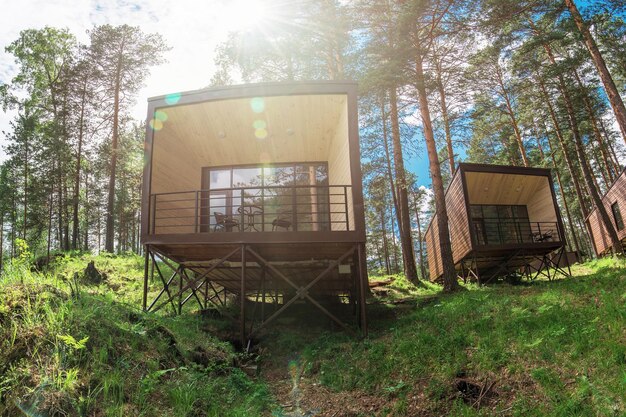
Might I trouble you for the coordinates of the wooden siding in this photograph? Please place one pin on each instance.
(540, 206)
(459, 229)
(221, 133)
(617, 193)
(339, 173)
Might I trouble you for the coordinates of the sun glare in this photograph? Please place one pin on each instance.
(242, 15)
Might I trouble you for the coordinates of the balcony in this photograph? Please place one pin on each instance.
(514, 232)
(272, 209)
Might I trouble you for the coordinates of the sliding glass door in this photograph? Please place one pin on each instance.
(267, 197)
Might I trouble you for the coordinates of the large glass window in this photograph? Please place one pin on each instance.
(617, 216)
(257, 195)
(500, 224)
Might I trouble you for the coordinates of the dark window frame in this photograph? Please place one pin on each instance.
(481, 232)
(617, 216)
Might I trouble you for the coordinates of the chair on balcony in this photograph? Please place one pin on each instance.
(283, 219)
(542, 237)
(224, 222)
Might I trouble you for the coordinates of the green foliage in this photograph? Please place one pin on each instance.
(553, 347)
(99, 354)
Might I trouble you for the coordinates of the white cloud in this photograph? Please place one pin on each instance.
(191, 28)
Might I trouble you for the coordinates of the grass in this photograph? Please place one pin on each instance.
(543, 349)
(551, 348)
(96, 353)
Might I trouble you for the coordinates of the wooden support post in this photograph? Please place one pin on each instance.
(180, 293)
(242, 317)
(362, 286)
(262, 294)
(145, 278)
(206, 294)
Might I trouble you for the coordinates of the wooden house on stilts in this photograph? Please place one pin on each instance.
(502, 220)
(253, 193)
(615, 203)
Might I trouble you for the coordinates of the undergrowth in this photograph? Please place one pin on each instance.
(546, 348)
(69, 348)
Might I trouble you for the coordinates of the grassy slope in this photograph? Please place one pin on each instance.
(131, 364)
(551, 348)
(555, 348)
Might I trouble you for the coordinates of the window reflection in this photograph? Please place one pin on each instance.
(305, 207)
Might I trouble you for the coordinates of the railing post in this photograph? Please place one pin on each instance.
(345, 204)
(196, 216)
(294, 206)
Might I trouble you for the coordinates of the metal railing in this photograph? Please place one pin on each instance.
(252, 209)
(498, 232)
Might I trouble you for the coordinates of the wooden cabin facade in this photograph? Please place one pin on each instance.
(614, 202)
(501, 219)
(255, 192)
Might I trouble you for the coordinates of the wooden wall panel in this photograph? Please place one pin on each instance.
(223, 133)
(541, 205)
(339, 173)
(458, 222)
(617, 193)
(458, 225)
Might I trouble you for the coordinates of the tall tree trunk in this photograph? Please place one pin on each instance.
(110, 232)
(616, 244)
(449, 274)
(511, 113)
(66, 226)
(392, 182)
(609, 86)
(86, 227)
(79, 154)
(396, 269)
(562, 192)
(50, 204)
(383, 225)
(607, 140)
(403, 196)
(568, 161)
(606, 159)
(60, 219)
(26, 161)
(445, 116)
(13, 224)
(419, 243)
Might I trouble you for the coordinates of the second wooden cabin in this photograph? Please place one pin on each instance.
(614, 202)
(502, 219)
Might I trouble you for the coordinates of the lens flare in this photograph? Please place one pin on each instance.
(260, 133)
(259, 124)
(160, 115)
(172, 99)
(156, 124)
(257, 104)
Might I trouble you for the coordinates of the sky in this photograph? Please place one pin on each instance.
(192, 28)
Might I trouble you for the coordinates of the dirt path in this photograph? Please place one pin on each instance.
(313, 399)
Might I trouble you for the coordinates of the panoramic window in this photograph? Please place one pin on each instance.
(617, 216)
(500, 224)
(265, 197)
